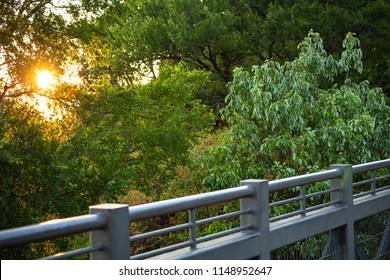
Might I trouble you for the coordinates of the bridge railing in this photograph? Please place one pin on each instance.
(263, 226)
(53, 229)
(189, 204)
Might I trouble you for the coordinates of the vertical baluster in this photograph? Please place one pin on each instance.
(192, 220)
(303, 199)
(373, 182)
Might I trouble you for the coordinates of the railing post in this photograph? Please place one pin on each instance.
(302, 202)
(192, 221)
(373, 182)
(343, 187)
(259, 218)
(115, 237)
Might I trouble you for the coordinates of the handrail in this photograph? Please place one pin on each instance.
(51, 229)
(370, 166)
(166, 207)
(281, 184)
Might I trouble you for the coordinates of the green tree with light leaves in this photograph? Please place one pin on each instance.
(293, 118)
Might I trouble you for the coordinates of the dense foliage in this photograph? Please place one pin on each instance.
(117, 140)
(137, 125)
(292, 118)
(218, 36)
(136, 137)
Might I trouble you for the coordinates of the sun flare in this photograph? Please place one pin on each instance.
(44, 79)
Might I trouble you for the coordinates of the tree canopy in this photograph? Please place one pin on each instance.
(219, 36)
(136, 137)
(31, 37)
(149, 73)
(292, 118)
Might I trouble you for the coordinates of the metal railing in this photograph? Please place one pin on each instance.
(53, 229)
(190, 204)
(261, 229)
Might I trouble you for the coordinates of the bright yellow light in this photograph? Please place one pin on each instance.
(45, 79)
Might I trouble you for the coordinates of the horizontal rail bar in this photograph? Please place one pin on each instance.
(281, 184)
(159, 232)
(161, 251)
(376, 191)
(369, 181)
(74, 253)
(364, 193)
(223, 233)
(381, 178)
(307, 210)
(222, 217)
(310, 195)
(170, 206)
(286, 201)
(370, 166)
(287, 215)
(365, 182)
(382, 188)
(298, 198)
(51, 229)
(322, 205)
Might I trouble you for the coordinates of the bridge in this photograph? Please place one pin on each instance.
(349, 218)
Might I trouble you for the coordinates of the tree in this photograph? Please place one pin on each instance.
(29, 39)
(219, 36)
(120, 139)
(33, 35)
(37, 35)
(137, 137)
(31, 184)
(288, 21)
(291, 118)
(209, 35)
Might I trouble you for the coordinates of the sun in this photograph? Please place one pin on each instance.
(44, 79)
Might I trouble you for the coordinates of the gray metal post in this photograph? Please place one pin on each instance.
(344, 193)
(115, 237)
(192, 221)
(373, 182)
(259, 218)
